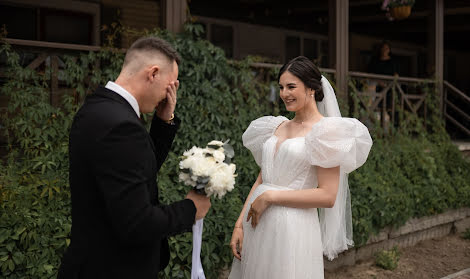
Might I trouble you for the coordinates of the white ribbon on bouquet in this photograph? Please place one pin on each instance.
(196, 269)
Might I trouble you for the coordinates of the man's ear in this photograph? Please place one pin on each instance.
(153, 72)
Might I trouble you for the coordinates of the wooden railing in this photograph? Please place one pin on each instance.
(384, 98)
(39, 55)
(51, 45)
(380, 96)
(277, 66)
(453, 108)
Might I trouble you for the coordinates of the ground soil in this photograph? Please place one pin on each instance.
(428, 259)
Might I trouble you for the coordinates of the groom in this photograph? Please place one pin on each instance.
(119, 228)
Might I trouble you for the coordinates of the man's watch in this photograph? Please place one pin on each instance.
(170, 121)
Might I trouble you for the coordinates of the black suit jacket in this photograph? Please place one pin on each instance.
(119, 229)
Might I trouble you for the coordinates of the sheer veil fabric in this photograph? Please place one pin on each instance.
(335, 222)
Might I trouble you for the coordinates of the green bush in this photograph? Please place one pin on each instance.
(405, 176)
(388, 259)
(466, 234)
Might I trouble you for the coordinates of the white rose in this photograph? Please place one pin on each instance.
(203, 166)
(184, 177)
(221, 181)
(216, 142)
(194, 151)
(232, 168)
(219, 156)
(188, 163)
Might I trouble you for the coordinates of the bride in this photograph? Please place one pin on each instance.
(304, 165)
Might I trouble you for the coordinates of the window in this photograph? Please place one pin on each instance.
(66, 27)
(292, 47)
(222, 36)
(34, 23)
(20, 23)
(324, 61)
(311, 49)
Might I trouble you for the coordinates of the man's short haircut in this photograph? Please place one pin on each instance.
(152, 44)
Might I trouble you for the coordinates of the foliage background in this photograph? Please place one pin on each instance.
(416, 172)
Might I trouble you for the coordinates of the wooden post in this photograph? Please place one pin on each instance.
(436, 46)
(332, 34)
(341, 43)
(174, 14)
(54, 80)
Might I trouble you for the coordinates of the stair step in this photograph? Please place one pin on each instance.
(462, 145)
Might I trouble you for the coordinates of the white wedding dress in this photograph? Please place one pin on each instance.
(287, 242)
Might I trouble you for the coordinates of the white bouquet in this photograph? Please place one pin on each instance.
(209, 171)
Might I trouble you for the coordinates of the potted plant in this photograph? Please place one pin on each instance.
(399, 9)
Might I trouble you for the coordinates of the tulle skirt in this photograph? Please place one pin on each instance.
(285, 244)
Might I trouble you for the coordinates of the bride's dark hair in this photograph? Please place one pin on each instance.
(307, 72)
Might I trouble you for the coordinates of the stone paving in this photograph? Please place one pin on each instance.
(463, 274)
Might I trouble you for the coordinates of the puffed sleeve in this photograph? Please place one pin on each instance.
(338, 141)
(258, 132)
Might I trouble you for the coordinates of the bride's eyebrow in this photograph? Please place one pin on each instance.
(289, 84)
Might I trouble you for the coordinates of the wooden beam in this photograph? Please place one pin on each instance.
(38, 61)
(457, 91)
(54, 80)
(332, 34)
(457, 123)
(43, 44)
(436, 46)
(413, 15)
(461, 112)
(174, 14)
(342, 46)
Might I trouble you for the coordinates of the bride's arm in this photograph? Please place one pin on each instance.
(323, 196)
(259, 180)
(236, 243)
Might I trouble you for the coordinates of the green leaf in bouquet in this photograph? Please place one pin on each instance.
(228, 150)
(200, 189)
(203, 180)
(200, 186)
(213, 146)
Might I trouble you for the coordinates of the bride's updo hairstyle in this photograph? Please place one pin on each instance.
(307, 72)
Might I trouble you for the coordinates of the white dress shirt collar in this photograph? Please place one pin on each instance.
(125, 94)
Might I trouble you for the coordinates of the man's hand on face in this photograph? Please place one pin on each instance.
(166, 107)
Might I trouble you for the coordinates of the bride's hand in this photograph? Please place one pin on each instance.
(258, 206)
(237, 242)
